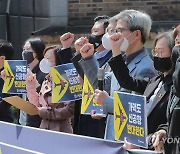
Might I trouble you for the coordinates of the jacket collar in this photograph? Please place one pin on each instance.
(130, 57)
(136, 60)
(164, 89)
(152, 85)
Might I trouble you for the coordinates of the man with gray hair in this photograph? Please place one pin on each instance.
(132, 30)
(134, 20)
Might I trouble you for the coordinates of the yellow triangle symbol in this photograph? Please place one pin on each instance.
(9, 77)
(120, 116)
(87, 95)
(60, 85)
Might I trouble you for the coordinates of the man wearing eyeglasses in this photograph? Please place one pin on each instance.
(130, 34)
(87, 125)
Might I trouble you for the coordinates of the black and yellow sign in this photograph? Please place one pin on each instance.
(66, 86)
(130, 118)
(15, 71)
(88, 102)
(120, 116)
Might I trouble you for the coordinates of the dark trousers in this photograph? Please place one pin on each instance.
(85, 125)
(91, 127)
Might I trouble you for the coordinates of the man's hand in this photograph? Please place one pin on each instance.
(87, 50)
(116, 42)
(66, 40)
(100, 96)
(127, 145)
(95, 116)
(79, 43)
(157, 137)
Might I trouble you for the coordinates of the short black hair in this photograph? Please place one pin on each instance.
(38, 46)
(104, 19)
(6, 49)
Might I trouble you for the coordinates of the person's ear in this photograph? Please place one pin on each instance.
(138, 34)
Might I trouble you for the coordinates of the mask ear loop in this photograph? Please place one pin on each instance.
(129, 36)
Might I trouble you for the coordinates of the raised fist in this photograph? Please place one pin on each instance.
(87, 50)
(79, 43)
(67, 39)
(116, 42)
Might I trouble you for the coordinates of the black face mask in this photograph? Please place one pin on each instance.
(28, 56)
(175, 53)
(162, 64)
(96, 40)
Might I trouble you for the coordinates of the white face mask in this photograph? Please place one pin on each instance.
(107, 43)
(124, 45)
(45, 65)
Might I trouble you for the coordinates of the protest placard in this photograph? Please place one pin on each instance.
(88, 102)
(15, 71)
(130, 118)
(65, 83)
(21, 104)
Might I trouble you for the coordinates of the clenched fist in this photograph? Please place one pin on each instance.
(87, 50)
(67, 39)
(116, 42)
(79, 43)
(100, 96)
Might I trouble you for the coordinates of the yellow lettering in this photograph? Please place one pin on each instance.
(20, 84)
(76, 88)
(135, 130)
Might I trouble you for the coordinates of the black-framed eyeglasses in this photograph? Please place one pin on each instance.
(120, 29)
(116, 30)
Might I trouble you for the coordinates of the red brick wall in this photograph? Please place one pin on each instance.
(82, 12)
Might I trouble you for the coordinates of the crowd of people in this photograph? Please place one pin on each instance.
(116, 44)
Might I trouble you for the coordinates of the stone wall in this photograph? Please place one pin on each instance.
(82, 12)
(54, 39)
